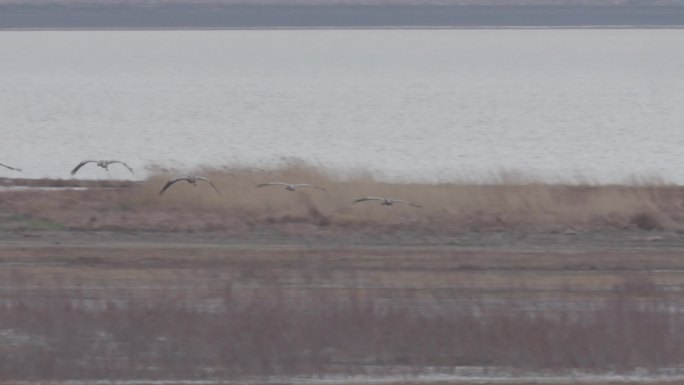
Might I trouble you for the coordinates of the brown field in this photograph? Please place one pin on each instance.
(517, 281)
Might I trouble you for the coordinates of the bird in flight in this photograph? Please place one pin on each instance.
(190, 179)
(11, 168)
(102, 163)
(291, 186)
(386, 201)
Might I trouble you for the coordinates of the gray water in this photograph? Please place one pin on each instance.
(427, 105)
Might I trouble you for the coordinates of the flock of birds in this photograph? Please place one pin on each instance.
(194, 179)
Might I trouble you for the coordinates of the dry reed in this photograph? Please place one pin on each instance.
(509, 202)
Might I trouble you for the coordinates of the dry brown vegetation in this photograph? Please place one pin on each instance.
(192, 285)
(506, 203)
(80, 331)
(160, 307)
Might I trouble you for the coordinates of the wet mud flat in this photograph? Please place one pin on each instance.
(270, 307)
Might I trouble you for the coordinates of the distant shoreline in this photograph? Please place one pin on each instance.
(408, 28)
(228, 17)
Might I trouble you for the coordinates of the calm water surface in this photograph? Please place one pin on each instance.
(429, 105)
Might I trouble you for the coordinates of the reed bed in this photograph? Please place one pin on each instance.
(506, 202)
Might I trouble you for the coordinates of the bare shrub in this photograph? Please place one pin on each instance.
(646, 221)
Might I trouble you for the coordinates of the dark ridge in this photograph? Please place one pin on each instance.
(330, 16)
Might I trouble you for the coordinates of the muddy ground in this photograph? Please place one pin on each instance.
(472, 264)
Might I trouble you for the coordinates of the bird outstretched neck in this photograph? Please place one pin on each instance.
(291, 186)
(101, 163)
(386, 201)
(190, 179)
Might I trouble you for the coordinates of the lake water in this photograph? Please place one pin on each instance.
(427, 105)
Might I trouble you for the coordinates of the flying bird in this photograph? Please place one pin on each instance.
(102, 163)
(291, 186)
(386, 201)
(11, 168)
(190, 179)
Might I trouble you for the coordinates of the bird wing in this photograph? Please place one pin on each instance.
(11, 168)
(81, 165)
(272, 184)
(169, 183)
(369, 199)
(122, 163)
(406, 202)
(309, 185)
(212, 185)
